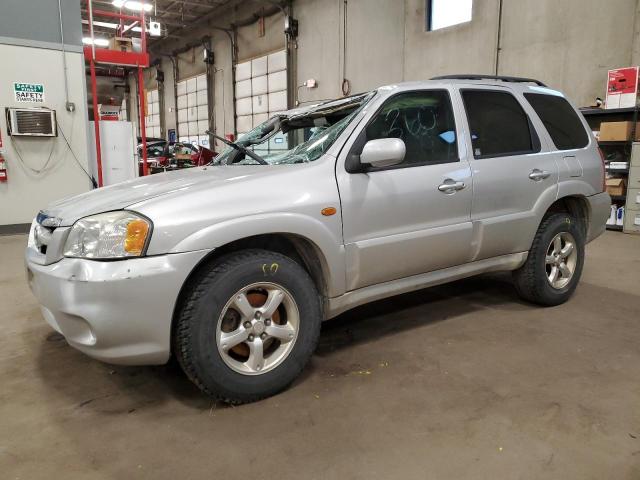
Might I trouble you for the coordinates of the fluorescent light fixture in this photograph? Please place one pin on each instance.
(99, 42)
(112, 26)
(132, 5)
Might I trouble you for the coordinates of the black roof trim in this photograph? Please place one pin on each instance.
(502, 78)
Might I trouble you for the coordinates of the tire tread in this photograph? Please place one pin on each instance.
(526, 281)
(182, 334)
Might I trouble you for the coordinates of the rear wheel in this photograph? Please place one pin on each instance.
(248, 326)
(554, 265)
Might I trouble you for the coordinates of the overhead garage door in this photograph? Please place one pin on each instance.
(193, 110)
(261, 89)
(152, 120)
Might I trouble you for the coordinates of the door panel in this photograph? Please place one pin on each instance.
(415, 217)
(513, 172)
(505, 200)
(397, 223)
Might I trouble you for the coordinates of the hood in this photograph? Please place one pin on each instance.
(122, 195)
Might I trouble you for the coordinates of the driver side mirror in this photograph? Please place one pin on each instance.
(383, 152)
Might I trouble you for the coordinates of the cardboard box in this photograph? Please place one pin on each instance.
(622, 88)
(616, 186)
(617, 131)
(121, 44)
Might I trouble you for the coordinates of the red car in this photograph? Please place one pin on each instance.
(161, 156)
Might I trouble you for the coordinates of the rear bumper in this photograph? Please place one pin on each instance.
(117, 312)
(600, 208)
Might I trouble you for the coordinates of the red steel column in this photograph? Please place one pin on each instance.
(143, 133)
(96, 120)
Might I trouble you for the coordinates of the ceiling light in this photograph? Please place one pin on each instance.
(112, 26)
(99, 42)
(132, 5)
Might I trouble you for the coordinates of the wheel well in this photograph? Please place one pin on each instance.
(576, 206)
(299, 249)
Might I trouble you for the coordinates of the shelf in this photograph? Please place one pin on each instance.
(617, 228)
(617, 170)
(618, 198)
(602, 111)
(617, 142)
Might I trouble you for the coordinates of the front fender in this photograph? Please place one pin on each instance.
(329, 245)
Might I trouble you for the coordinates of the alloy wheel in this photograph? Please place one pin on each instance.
(561, 260)
(257, 328)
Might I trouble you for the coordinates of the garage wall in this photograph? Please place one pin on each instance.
(464, 48)
(319, 44)
(31, 52)
(570, 45)
(27, 191)
(169, 107)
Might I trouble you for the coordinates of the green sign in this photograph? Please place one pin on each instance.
(29, 92)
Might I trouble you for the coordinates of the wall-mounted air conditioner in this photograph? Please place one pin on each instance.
(32, 122)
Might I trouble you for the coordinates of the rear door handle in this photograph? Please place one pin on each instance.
(450, 186)
(537, 175)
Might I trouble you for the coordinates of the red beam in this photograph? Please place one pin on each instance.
(96, 120)
(121, 16)
(115, 57)
(143, 132)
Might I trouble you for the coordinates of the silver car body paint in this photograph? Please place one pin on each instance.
(394, 231)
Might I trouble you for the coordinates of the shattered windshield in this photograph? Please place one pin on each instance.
(297, 136)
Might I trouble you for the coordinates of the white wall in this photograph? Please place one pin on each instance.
(27, 192)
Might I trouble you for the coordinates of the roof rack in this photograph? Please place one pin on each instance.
(489, 77)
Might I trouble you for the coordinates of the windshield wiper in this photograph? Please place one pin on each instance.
(240, 148)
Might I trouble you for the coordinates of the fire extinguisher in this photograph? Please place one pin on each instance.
(3, 164)
(3, 169)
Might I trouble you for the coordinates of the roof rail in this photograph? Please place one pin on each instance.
(489, 77)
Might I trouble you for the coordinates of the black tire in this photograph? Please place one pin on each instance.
(531, 280)
(194, 334)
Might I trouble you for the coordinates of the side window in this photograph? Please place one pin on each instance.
(424, 121)
(498, 124)
(560, 120)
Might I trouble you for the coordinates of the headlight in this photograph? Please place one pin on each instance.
(108, 235)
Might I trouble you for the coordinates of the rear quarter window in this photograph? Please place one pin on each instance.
(498, 124)
(560, 120)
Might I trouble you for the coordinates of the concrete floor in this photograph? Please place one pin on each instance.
(459, 381)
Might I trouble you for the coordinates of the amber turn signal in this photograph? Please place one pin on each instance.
(137, 231)
(327, 212)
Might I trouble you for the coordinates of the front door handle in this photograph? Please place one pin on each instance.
(537, 175)
(450, 186)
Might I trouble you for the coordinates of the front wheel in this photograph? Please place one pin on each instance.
(554, 265)
(248, 326)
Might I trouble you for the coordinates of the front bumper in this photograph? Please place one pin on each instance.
(118, 312)
(600, 209)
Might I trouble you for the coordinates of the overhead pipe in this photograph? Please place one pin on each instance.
(174, 73)
(498, 35)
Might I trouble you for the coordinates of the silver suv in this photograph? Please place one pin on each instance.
(232, 267)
